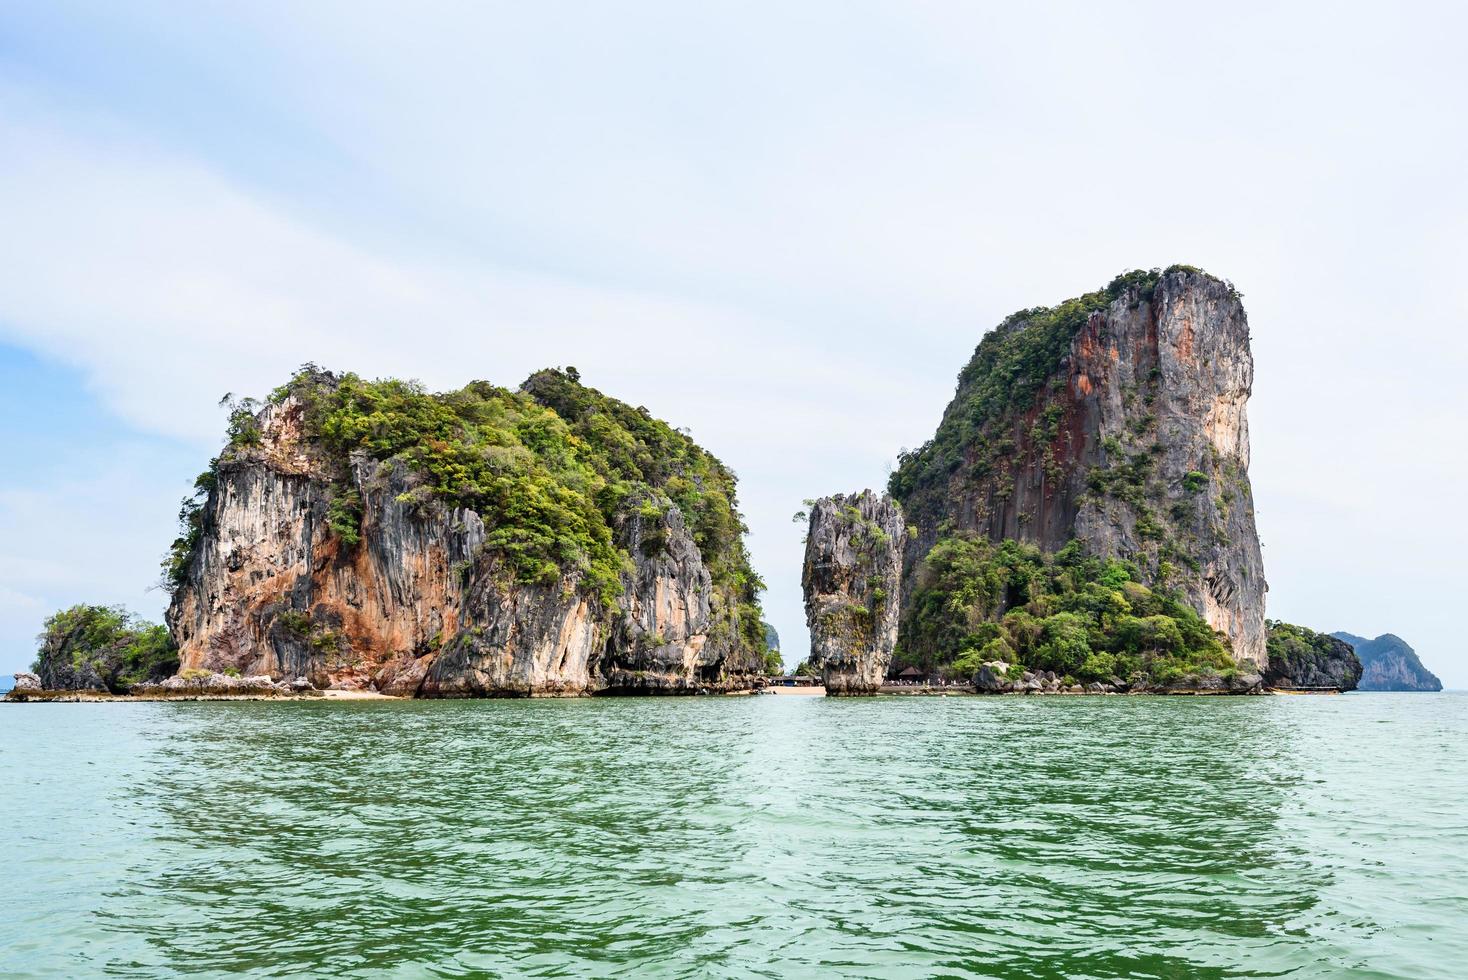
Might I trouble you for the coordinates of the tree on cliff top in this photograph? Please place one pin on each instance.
(102, 648)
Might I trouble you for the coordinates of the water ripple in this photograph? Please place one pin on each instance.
(778, 837)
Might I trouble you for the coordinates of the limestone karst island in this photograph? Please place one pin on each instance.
(1081, 521)
(733, 491)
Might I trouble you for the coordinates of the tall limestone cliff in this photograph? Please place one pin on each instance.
(1116, 420)
(482, 542)
(852, 578)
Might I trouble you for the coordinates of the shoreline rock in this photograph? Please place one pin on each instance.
(201, 684)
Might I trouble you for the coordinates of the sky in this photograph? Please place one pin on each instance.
(784, 226)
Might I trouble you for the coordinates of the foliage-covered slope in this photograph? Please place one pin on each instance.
(1080, 616)
(100, 648)
(1303, 658)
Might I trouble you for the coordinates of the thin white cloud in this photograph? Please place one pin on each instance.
(94, 536)
(785, 228)
(166, 284)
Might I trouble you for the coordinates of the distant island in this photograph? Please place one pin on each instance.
(1389, 664)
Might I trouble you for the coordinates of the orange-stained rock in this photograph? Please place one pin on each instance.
(417, 607)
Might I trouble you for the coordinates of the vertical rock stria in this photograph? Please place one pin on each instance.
(852, 579)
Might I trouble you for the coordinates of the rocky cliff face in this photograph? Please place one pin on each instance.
(367, 569)
(1116, 419)
(852, 577)
(1389, 664)
(1301, 659)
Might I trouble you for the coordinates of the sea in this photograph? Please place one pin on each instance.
(767, 836)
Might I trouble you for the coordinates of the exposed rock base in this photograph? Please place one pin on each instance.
(198, 685)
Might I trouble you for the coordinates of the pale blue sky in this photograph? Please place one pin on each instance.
(784, 226)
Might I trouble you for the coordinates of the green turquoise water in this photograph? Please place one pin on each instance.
(729, 837)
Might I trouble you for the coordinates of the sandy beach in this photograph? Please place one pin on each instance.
(358, 696)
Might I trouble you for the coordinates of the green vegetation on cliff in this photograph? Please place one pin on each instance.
(1292, 645)
(1069, 612)
(102, 647)
(190, 529)
(1300, 657)
(1002, 380)
(543, 500)
(631, 450)
(548, 468)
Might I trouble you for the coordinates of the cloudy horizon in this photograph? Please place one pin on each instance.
(785, 230)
